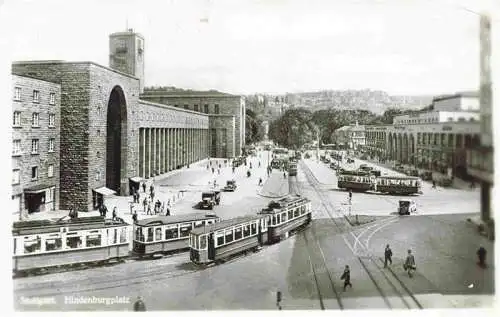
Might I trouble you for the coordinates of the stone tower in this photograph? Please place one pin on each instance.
(126, 54)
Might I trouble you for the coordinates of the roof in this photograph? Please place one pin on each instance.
(164, 220)
(457, 95)
(177, 92)
(44, 226)
(398, 177)
(344, 128)
(225, 224)
(277, 205)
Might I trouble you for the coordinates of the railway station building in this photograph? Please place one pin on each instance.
(106, 136)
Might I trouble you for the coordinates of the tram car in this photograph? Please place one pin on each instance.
(398, 185)
(164, 234)
(356, 180)
(47, 243)
(286, 216)
(222, 240)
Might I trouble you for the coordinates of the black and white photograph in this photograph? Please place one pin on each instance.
(249, 155)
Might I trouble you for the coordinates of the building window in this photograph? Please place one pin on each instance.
(196, 108)
(98, 110)
(16, 119)
(16, 177)
(471, 119)
(36, 96)
(34, 146)
(34, 173)
(217, 109)
(51, 145)
(52, 99)
(17, 93)
(186, 107)
(205, 108)
(52, 120)
(450, 119)
(35, 119)
(98, 132)
(16, 147)
(177, 106)
(98, 175)
(50, 171)
(98, 154)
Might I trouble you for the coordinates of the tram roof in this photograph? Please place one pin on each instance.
(73, 224)
(355, 172)
(225, 224)
(165, 220)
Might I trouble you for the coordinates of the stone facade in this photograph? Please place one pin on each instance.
(35, 135)
(222, 136)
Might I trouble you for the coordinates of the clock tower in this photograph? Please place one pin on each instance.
(126, 54)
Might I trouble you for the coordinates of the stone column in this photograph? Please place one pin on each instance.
(164, 147)
(141, 152)
(147, 151)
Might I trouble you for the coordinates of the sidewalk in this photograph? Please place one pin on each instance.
(276, 186)
(484, 229)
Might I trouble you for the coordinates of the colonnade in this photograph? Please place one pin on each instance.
(164, 149)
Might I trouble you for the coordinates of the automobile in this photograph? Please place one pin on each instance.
(333, 165)
(350, 160)
(230, 186)
(209, 199)
(365, 167)
(406, 206)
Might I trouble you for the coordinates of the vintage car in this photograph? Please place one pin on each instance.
(230, 186)
(350, 160)
(407, 206)
(209, 199)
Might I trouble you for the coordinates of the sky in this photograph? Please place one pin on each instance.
(420, 47)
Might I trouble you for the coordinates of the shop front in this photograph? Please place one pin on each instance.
(39, 198)
(134, 184)
(98, 196)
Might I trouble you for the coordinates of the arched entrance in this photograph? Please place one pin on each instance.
(116, 141)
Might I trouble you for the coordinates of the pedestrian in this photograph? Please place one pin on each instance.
(168, 202)
(134, 216)
(346, 276)
(162, 208)
(387, 255)
(410, 264)
(250, 164)
(152, 196)
(168, 211)
(114, 213)
(218, 171)
(213, 170)
(284, 174)
(481, 255)
(220, 166)
(144, 186)
(233, 169)
(350, 195)
(145, 203)
(259, 163)
(260, 181)
(104, 210)
(207, 167)
(149, 209)
(433, 184)
(139, 304)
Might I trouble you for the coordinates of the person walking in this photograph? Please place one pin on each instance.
(144, 187)
(149, 208)
(145, 204)
(346, 276)
(260, 181)
(139, 304)
(409, 265)
(114, 213)
(134, 216)
(481, 255)
(434, 184)
(387, 255)
(152, 196)
(350, 196)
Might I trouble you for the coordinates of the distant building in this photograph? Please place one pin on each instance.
(36, 122)
(351, 136)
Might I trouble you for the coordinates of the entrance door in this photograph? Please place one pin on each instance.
(35, 202)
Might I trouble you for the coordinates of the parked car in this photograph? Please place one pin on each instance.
(230, 186)
(406, 206)
(209, 199)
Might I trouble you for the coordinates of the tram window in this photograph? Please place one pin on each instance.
(229, 235)
(254, 228)
(290, 214)
(123, 235)
(115, 236)
(150, 234)
(138, 234)
(74, 242)
(171, 233)
(296, 212)
(274, 220)
(283, 217)
(220, 237)
(198, 224)
(158, 236)
(203, 242)
(52, 244)
(302, 210)
(185, 230)
(195, 241)
(32, 245)
(237, 233)
(278, 219)
(93, 240)
(246, 231)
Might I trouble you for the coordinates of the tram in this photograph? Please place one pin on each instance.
(227, 238)
(47, 243)
(163, 234)
(286, 216)
(356, 180)
(398, 185)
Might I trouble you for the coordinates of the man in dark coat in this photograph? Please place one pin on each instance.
(134, 216)
(387, 255)
(139, 304)
(144, 187)
(346, 276)
(481, 255)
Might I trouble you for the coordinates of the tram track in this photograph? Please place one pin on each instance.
(382, 281)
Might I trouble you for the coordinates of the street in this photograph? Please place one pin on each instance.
(307, 267)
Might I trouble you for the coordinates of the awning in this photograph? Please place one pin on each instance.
(136, 179)
(104, 191)
(37, 188)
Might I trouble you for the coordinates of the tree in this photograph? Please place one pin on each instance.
(254, 131)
